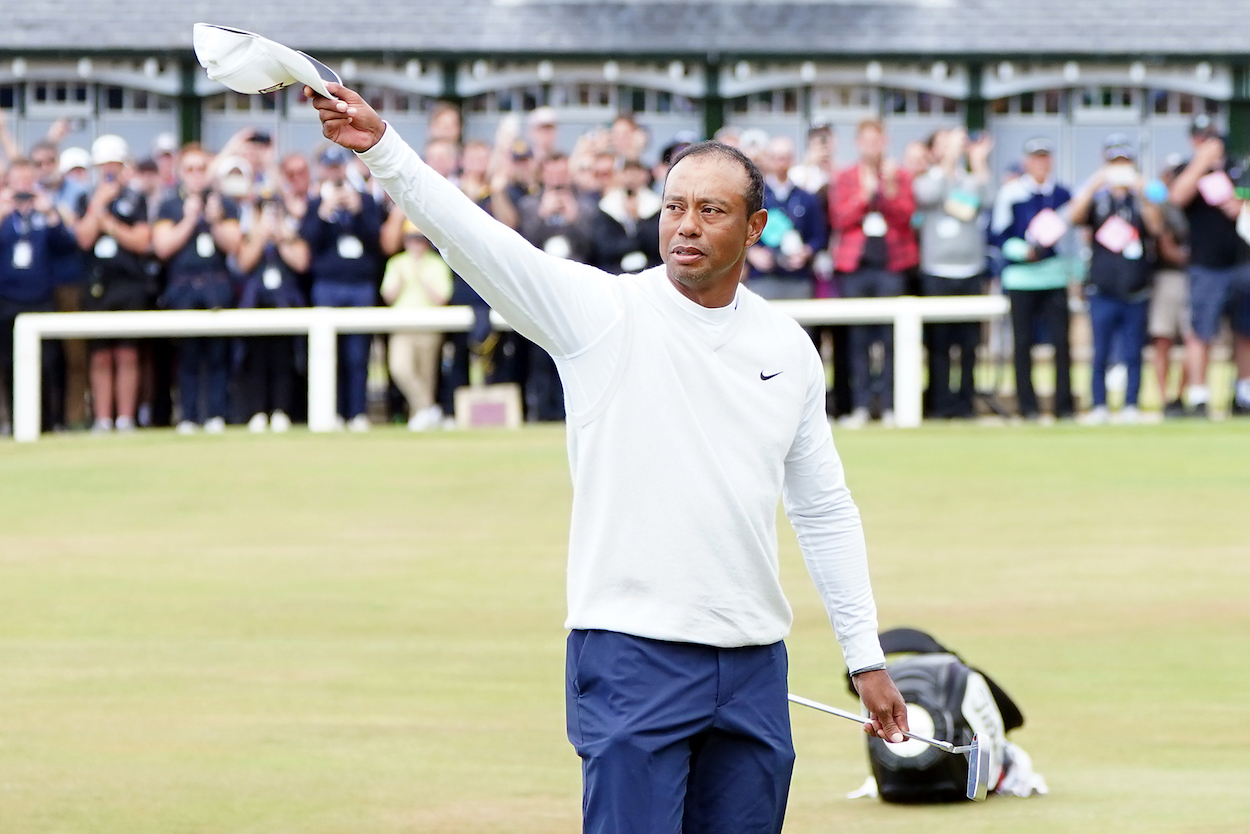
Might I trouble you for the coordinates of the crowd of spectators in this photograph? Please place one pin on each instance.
(182, 227)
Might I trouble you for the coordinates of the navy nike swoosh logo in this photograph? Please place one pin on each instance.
(770, 376)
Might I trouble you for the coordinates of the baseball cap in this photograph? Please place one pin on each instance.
(334, 155)
(1039, 145)
(520, 150)
(109, 148)
(1118, 146)
(247, 63)
(544, 115)
(72, 158)
(1203, 125)
(164, 143)
(682, 139)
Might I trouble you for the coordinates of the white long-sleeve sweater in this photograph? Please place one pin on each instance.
(685, 425)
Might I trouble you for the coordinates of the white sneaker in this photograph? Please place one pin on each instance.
(279, 422)
(448, 423)
(125, 424)
(214, 425)
(359, 423)
(1097, 416)
(187, 427)
(887, 419)
(857, 419)
(421, 421)
(1129, 415)
(258, 423)
(102, 425)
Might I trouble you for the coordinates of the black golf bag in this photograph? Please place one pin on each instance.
(948, 700)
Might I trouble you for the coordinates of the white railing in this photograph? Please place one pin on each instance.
(323, 325)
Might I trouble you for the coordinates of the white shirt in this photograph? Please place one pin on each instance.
(685, 426)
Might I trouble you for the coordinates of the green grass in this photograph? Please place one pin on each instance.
(363, 634)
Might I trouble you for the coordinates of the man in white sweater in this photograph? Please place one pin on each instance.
(692, 407)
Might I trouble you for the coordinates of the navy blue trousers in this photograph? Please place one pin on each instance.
(678, 738)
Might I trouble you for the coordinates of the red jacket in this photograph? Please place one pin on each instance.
(847, 208)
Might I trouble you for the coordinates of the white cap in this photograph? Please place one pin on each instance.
(72, 158)
(164, 143)
(247, 63)
(109, 148)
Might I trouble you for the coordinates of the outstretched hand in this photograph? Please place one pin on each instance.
(884, 703)
(348, 121)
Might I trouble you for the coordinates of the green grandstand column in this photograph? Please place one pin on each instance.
(1239, 112)
(190, 105)
(713, 104)
(974, 108)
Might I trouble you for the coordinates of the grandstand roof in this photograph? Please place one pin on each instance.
(829, 28)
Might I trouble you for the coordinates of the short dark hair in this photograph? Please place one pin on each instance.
(754, 194)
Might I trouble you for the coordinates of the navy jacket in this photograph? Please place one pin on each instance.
(809, 219)
(29, 249)
(332, 245)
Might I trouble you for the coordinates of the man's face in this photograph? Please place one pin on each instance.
(820, 147)
(704, 228)
(193, 172)
(780, 158)
(1038, 166)
(443, 158)
(634, 178)
(555, 174)
(475, 160)
(44, 160)
(871, 144)
(21, 179)
(297, 174)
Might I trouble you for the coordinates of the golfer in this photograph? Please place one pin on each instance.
(692, 407)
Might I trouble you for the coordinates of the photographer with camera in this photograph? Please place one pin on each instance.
(113, 229)
(32, 236)
(197, 228)
(1124, 226)
(626, 230)
(343, 229)
(270, 259)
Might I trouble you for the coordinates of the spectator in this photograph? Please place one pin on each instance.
(1025, 226)
(917, 157)
(1123, 226)
(113, 226)
(1170, 318)
(271, 258)
(65, 184)
(780, 265)
(871, 206)
(416, 278)
(444, 123)
(544, 132)
(951, 196)
(196, 231)
(557, 222)
(626, 227)
(165, 155)
(816, 169)
(342, 228)
(624, 138)
(32, 235)
(1218, 276)
(255, 146)
(295, 185)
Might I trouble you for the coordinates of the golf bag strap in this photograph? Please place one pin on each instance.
(915, 641)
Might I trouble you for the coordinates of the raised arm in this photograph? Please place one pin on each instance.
(563, 306)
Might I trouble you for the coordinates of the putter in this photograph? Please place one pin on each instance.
(978, 759)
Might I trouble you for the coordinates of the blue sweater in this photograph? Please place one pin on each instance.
(1017, 203)
(28, 249)
(808, 218)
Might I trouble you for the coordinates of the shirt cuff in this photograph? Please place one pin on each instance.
(862, 650)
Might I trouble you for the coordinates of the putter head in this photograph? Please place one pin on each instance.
(978, 771)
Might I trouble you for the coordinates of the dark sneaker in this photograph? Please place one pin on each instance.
(1175, 408)
(1199, 411)
(1239, 409)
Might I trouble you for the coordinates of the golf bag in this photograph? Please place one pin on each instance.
(948, 700)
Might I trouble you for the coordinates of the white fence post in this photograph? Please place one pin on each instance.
(323, 387)
(27, 385)
(908, 363)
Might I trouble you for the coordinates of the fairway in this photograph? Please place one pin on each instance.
(330, 634)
